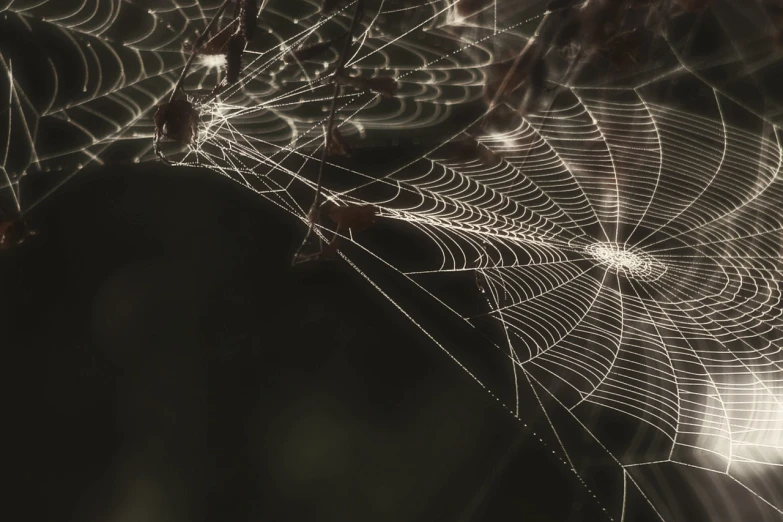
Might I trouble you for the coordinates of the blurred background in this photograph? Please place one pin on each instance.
(168, 364)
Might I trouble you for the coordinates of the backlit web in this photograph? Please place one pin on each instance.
(621, 245)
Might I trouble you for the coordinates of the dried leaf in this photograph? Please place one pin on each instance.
(353, 217)
(6, 234)
(336, 145)
(177, 120)
(384, 86)
(13, 232)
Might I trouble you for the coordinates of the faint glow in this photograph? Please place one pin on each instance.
(743, 422)
(212, 60)
(506, 139)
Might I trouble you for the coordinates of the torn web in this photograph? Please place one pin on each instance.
(621, 247)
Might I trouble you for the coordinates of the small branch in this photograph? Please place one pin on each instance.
(313, 211)
(510, 74)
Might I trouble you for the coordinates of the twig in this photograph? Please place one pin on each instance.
(510, 74)
(312, 212)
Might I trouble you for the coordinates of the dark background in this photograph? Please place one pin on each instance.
(167, 363)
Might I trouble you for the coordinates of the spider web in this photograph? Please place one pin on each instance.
(623, 243)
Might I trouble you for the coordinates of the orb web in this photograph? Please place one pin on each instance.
(626, 261)
(624, 242)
